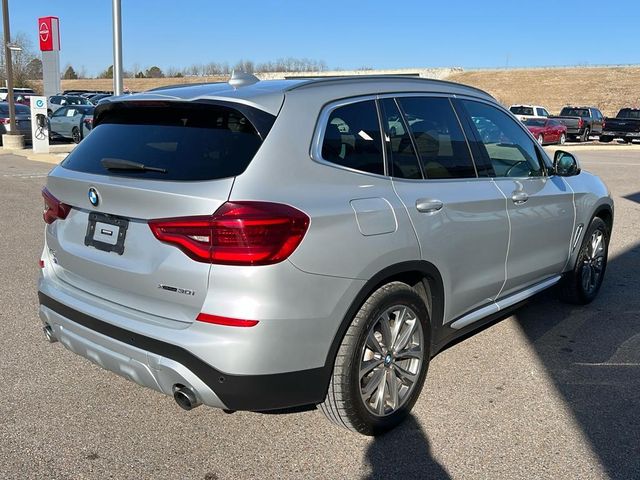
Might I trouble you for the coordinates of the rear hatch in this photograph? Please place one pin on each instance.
(144, 161)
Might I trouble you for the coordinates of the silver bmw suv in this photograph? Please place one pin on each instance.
(264, 245)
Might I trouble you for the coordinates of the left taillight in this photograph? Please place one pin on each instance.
(238, 233)
(54, 209)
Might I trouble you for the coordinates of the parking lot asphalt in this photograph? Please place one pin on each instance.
(550, 392)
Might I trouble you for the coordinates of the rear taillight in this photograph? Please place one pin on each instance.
(53, 208)
(4, 121)
(238, 233)
(580, 123)
(88, 123)
(604, 124)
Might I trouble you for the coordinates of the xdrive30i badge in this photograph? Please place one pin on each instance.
(93, 197)
(184, 291)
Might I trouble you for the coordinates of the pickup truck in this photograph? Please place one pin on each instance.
(581, 122)
(626, 125)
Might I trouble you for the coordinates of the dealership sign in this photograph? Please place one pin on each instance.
(49, 34)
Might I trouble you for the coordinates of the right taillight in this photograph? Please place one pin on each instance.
(580, 123)
(238, 233)
(53, 208)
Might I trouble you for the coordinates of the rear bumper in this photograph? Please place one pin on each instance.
(160, 365)
(614, 134)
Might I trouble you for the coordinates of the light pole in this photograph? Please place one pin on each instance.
(117, 48)
(8, 47)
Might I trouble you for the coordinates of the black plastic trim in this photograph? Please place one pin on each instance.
(237, 392)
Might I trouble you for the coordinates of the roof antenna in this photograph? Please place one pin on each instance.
(242, 79)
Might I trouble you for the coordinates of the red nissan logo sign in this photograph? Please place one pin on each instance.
(44, 32)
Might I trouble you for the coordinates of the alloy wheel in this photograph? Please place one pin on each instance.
(593, 262)
(391, 360)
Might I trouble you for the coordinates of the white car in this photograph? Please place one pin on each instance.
(524, 112)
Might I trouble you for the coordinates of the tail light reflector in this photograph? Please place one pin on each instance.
(238, 233)
(229, 322)
(580, 123)
(53, 208)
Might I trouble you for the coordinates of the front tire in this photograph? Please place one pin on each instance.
(582, 284)
(382, 362)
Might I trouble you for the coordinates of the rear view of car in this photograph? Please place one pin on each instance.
(23, 119)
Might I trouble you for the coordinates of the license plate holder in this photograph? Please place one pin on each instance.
(106, 232)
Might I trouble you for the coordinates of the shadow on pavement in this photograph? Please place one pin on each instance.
(592, 354)
(404, 453)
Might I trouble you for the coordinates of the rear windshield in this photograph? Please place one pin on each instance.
(534, 122)
(574, 112)
(20, 109)
(521, 110)
(189, 142)
(629, 113)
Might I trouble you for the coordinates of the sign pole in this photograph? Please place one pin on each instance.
(117, 49)
(9, 67)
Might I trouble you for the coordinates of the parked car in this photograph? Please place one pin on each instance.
(58, 101)
(581, 122)
(524, 112)
(72, 122)
(626, 125)
(547, 130)
(191, 245)
(23, 120)
(96, 98)
(4, 91)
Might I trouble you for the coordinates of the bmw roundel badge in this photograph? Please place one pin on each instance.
(93, 197)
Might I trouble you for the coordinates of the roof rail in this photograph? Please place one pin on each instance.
(349, 78)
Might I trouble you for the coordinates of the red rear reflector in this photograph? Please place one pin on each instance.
(53, 208)
(238, 233)
(41, 263)
(229, 322)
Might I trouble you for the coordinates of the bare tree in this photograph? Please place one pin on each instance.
(20, 61)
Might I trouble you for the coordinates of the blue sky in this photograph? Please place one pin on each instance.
(345, 33)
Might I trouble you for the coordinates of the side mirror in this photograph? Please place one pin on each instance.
(565, 164)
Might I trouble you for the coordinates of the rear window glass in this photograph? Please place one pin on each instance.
(629, 113)
(521, 110)
(574, 112)
(190, 143)
(352, 138)
(20, 109)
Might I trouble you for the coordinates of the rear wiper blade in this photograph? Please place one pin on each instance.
(121, 164)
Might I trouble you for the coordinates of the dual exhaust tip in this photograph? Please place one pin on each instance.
(48, 334)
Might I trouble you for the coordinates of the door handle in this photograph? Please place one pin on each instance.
(428, 205)
(519, 198)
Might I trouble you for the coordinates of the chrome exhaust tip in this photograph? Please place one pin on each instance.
(48, 333)
(185, 397)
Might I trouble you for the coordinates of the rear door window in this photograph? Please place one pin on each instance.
(188, 141)
(404, 161)
(440, 143)
(352, 138)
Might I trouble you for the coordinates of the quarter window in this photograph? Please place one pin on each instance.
(352, 138)
(511, 151)
(441, 145)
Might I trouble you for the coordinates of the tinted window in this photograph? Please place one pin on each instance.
(404, 161)
(511, 151)
(61, 112)
(190, 142)
(521, 110)
(441, 145)
(628, 113)
(352, 138)
(534, 122)
(540, 112)
(574, 112)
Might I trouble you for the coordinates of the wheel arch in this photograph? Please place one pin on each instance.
(605, 212)
(420, 274)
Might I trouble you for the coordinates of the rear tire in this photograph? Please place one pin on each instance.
(75, 135)
(582, 284)
(382, 362)
(585, 135)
